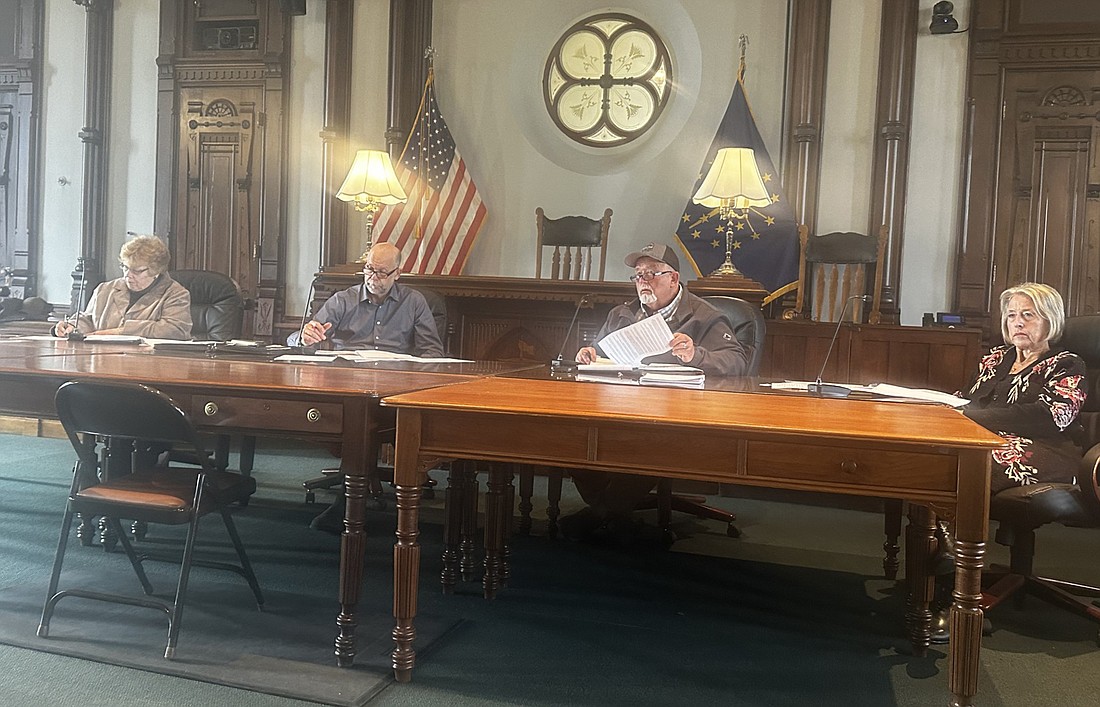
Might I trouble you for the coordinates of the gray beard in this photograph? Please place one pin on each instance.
(648, 299)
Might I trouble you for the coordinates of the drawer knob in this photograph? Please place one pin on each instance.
(313, 414)
(210, 409)
(848, 466)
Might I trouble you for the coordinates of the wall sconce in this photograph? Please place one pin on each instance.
(371, 182)
(943, 22)
(733, 186)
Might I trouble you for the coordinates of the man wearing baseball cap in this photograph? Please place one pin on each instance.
(701, 337)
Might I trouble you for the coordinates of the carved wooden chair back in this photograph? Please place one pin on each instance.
(834, 267)
(575, 241)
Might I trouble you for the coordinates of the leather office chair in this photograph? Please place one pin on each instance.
(102, 418)
(832, 268)
(331, 477)
(217, 314)
(573, 239)
(1022, 510)
(749, 328)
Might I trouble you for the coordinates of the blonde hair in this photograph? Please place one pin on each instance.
(1048, 305)
(146, 251)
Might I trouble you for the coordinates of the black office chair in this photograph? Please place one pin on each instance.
(1022, 510)
(749, 329)
(331, 477)
(98, 417)
(217, 314)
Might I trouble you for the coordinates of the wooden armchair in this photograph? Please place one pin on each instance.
(573, 240)
(835, 266)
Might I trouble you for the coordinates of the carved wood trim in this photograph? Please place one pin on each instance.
(893, 123)
(335, 150)
(807, 60)
(410, 34)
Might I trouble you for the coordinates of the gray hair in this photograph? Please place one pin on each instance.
(1048, 305)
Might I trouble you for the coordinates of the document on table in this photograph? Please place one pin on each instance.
(376, 355)
(629, 345)
(885, 390)
(113, 339)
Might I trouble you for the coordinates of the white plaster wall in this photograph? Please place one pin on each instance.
(932, 224)
(61, 175)
(489, 78)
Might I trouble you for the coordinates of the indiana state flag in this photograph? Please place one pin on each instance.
(765, 245)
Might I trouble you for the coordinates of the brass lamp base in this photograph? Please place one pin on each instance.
(727, 269)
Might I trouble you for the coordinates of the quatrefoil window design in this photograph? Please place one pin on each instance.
(607, 80)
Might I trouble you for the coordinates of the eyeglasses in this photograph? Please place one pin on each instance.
(127, 269)
(648, 275)
(368, 271)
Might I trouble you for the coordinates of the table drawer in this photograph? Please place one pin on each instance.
(852, 466)
(266, 414)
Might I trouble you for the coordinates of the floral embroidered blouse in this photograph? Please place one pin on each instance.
(1035, 411)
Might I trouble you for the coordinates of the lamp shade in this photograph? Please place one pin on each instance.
(733, 180)
(371, 179)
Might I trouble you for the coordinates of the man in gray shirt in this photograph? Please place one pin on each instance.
(379, 314)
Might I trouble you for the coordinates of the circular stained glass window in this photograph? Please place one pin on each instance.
(607, 80)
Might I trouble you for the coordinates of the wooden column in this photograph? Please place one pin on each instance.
(99, 16)
(410, 34)
(335, 151)
(893, 124)
(807, 59)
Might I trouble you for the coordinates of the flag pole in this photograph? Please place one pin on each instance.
(422, 167)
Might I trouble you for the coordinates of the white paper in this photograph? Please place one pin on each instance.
(629, 345)
(113, 339)
(180, 342)
(884, 389)
(304, 358)
(376, 355)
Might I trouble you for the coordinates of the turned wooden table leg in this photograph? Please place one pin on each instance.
(467, 545)
(495, 500)
(553, 501)
(526, 490)
(406, 551)
(454, 504)
(920, 544)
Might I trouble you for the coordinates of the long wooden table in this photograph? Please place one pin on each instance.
(931, 456)
(226, 395)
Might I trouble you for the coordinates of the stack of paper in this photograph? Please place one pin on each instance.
(672, 374)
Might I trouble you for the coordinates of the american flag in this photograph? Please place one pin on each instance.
(437, 226)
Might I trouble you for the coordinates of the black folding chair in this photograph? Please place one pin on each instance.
(101, 419)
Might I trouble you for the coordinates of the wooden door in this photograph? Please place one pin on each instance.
(1048, 200)
(218, 207)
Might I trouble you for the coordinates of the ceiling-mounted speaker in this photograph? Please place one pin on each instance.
(293, 7)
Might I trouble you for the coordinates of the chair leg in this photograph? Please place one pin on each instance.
(249, 575)
(128, 548)
(55, 575)
(181, 588)
(553, 501)
(892, 511)
(247, 455)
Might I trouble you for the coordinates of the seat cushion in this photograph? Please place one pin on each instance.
(165, 490)
(1039, 504)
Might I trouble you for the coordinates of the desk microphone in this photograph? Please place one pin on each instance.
(560, 366)
(305, 312)
(831, 390)
(75, 334)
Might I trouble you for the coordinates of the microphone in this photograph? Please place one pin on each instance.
(75, 334)
(559, 366)
(832, 390)
(305, 311)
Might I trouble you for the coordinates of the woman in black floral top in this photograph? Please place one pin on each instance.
(1030, 392)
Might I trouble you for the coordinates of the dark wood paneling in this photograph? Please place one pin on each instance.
(807, 60)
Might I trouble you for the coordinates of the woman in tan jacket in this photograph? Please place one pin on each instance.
(145, 301)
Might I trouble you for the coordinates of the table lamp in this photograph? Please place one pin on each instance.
(371, 182)
(734, 186)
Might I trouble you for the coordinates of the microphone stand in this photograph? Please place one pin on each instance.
(305, 315)
(560, 368)
(74, 317)
(832, 390)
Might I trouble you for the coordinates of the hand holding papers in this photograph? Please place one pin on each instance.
(628, 346)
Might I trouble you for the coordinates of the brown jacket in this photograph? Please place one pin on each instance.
(163, 312)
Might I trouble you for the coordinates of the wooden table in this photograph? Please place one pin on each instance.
(931, 456)
(314, 401)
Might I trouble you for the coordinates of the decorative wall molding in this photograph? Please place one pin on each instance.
(1045, 50)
